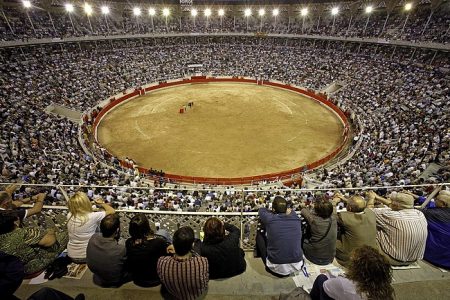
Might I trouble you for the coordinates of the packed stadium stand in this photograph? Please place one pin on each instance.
(384, 64)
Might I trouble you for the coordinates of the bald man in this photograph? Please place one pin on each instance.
(357, 227)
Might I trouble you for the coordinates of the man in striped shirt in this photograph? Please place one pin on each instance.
(401, 230)
(185, 275)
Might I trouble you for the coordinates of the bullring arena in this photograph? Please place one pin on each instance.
(232, 130)
(179, 112)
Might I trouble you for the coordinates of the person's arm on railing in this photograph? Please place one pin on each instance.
(338, 197)
(306, 213)
(10, 189)
(37, 207)
(431, 196)
(383, 200)
(108, 209)
(370, 196)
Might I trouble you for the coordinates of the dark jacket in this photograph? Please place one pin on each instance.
(225, 258)
(284, 236)
(106, 259)
(320, 249)
(142, 260)
(437, 250)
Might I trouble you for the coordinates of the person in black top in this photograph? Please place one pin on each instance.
(143, 251)
(225, 257)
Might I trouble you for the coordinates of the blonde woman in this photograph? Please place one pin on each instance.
(82, 222)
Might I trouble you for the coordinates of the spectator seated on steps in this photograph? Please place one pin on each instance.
(437, 249)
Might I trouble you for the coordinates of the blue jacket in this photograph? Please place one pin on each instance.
(437, 250)
(284, 236)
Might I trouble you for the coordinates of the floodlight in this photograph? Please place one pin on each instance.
(136, 11)
(166, 12)
(275, 12)
(151, 11)
(369, 9)
(304, 12)
(26, 3)
(194, 12)
(247, 12)
(335, 11)
(105, 10)
(261, 12)
(88, 9)
(221, 12)
(207, 12)
(408, 6)
(69, 7)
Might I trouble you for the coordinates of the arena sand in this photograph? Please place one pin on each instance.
(233, 130)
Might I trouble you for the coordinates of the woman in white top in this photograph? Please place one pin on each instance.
(82, 222)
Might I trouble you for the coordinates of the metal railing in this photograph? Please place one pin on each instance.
(55, 215)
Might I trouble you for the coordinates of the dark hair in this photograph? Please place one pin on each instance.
(279, 205)
(109, 225)
(214, 230)
(183, 239)
(140, 227)
(371, 272)
(323, 208)
(7, 219)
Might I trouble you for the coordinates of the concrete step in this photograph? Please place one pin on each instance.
(427, 282)
(432, 168)
(60, 110)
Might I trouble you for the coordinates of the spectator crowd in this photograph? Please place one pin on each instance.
(402, 129)
(367, 233)
(395, 97)
(423, 23)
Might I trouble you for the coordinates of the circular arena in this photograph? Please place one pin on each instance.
(340, 108)
(223, 129)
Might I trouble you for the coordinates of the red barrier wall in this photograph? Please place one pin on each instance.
(237, 180)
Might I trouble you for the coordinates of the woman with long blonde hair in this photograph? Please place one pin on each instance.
(82, 222)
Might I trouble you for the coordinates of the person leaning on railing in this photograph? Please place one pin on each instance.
(401, 229)
(82, 222)
(35, 247)
(320, 248)
(8, 203)
(437, 249)
(225, 257)
(357, 227)
(145, 247)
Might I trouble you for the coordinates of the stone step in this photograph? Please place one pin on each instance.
(60, 110)
(426, 282)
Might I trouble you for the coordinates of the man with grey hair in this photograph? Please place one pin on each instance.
(401, 229)
(357, 227)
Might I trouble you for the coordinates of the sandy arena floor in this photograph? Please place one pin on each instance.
(233, 130)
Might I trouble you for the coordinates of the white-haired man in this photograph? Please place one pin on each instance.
(401, 229)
